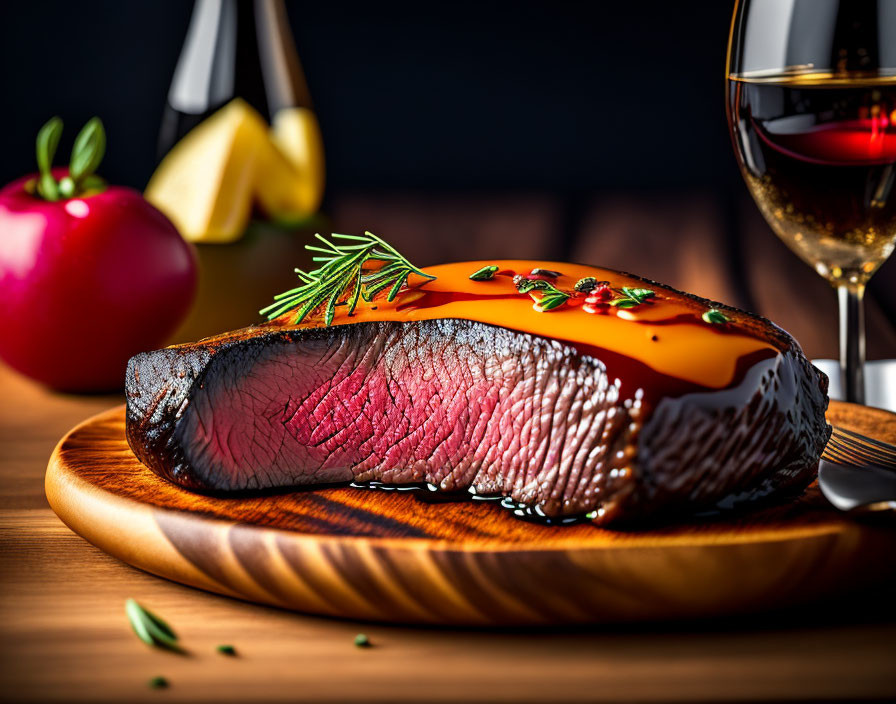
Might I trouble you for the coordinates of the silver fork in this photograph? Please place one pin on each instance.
(857, 474)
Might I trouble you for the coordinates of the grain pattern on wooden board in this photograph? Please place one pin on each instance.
(387, 556)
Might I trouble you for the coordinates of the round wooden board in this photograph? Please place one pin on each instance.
(389, 557)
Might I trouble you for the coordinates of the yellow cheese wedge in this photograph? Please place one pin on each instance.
(209, 181)
(296, 133)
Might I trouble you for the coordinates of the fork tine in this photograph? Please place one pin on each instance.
(868, 455)
(836, 448)
(854, 443)
(834, 453)
(886, 447)
(859, 447)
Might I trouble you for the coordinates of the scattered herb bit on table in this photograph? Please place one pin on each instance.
(149, 628)
(362, 641)
(158, 683)
(226, 649)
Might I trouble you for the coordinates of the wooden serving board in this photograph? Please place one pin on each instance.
(387, 556)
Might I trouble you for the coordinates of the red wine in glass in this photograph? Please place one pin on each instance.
(818, 154)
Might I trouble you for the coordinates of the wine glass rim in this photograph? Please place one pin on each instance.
(809, 73)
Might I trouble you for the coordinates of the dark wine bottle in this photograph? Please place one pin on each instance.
(238, 135)
(233, 48)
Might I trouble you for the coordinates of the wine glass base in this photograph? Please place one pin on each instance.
(880, 381)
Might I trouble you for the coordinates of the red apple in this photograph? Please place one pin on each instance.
(90, 273)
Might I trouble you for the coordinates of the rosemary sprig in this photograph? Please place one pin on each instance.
(341, 280)
(149, 628)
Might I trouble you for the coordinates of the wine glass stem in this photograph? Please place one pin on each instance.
(852, 341)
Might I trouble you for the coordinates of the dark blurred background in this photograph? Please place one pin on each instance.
(592, 131)
(532, 94)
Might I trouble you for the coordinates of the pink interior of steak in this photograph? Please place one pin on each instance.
(511, 414)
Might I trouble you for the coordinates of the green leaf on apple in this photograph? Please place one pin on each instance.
(88, 150)
(47, 143)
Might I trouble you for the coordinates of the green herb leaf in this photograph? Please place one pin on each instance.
(524, 285)
(550, 301)
(589, 283)
(715, 316)
(341, 278)
(226, 649)
(88, 150)
(638, 294)
(362, 641)
(149, 628)
(631, 297)
(552, 297)
(486, 273)
(158, 683)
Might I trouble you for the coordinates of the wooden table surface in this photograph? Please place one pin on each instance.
(64, 635)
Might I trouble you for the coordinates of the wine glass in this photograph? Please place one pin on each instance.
(812, 112)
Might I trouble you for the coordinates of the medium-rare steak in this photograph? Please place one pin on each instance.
(663, 404)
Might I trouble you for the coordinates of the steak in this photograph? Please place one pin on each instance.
(560, 426)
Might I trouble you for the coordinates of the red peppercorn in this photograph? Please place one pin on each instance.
(597, 299)
(595, 307)
(602, 293)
